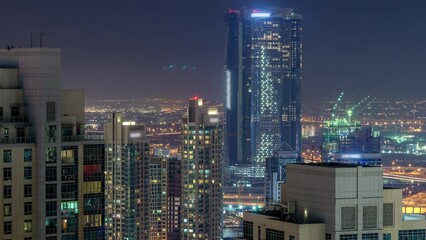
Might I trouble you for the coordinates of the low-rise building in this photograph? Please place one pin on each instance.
(335, 201)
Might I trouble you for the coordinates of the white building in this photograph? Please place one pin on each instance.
(335, 201)
(45, 152)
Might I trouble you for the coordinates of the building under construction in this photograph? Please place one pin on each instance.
(346, 141)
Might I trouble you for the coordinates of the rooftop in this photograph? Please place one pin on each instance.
(278, 215)
(334, 165)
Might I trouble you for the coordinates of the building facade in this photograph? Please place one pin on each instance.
(263, 68)
(362, 146)
(275, 174)
(126, 180)
(173, 197)
(45, 152)
(158, 198)
(201, 168)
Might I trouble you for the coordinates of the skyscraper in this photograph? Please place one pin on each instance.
(126, 180)
(263, 66)
(201, 168)
(49, 190)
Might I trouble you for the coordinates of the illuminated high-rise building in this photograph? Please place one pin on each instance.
(52, 172)
(201, 172)
(126, 180)
(165, 197)
(263, 64)
(158, 198)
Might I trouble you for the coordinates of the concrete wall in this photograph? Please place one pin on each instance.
(9, 78)
(73, 103)
(320, 192)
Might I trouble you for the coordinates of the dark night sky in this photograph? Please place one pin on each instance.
(119, 48)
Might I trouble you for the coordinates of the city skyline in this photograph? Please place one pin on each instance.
(370, 47)
(139, 162)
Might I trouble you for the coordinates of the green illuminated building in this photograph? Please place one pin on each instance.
(346, 141)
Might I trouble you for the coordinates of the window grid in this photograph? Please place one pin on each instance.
(348, 237)
(7, 210)
(7, 191)
(272, 234)
(51, 209)
(28, 208)
(28, 190)
(7, 155)
(370, 236)
(28, 155)
(28, 173)
(387, 236)
(248, 230)
(7, 174)
(7, 228)
(413, 234)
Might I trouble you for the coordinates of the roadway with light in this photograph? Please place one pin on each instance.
(411, 174)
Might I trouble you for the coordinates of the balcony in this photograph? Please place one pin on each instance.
(13, 119)
(86, 137)
(17, 140)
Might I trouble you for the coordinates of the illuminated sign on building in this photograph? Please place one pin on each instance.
(260, 15)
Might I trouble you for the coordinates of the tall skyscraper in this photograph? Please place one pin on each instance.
(263, 64)
(126, 180)
(52, 174)
(201, 169)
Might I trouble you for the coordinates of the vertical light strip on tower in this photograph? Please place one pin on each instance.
(228, 89)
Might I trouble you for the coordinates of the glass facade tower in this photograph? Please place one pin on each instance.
(263, 68)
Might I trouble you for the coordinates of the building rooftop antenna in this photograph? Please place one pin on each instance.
(42, 34)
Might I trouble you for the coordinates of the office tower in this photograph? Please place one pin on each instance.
(362, 146)
(201, 168)
(335, 201)
(126, 180)
(333, 130)
(263, 65)
(43, 144)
